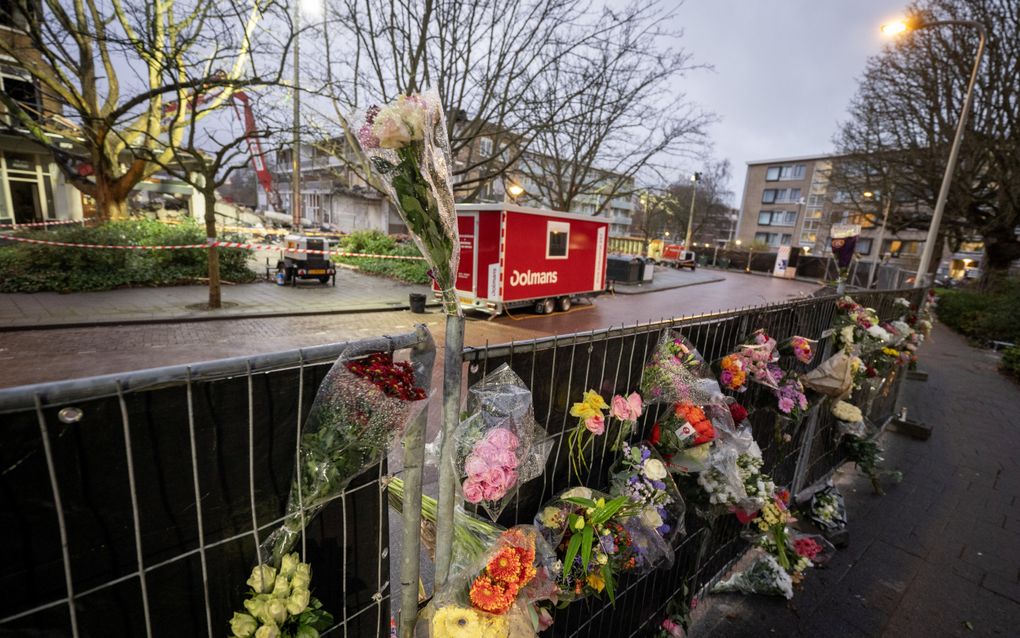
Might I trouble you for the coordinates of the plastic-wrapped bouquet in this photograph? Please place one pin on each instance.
(789, 393)
(596, 538)
(858, 326)
(410, 152)
(361, 406)
(802, 348)
(686, 434)
(833, 377)
(641, 476)
(735, 481)
(280, 603)
(828, 509)
(499, 446)
(486, 598)
(750, 363)
(677, 373)
(763, 576)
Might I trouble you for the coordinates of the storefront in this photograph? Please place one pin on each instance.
(31, 188)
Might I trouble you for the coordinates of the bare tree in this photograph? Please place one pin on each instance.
(904, 114)
(668, 209)
(101, 67)
(621, 117)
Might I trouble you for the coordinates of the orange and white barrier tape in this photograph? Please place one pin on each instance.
(215, 242)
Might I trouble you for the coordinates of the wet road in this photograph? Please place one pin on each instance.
(50, 355)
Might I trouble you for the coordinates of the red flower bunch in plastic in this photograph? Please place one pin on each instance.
(738, 412)
(807, 548)
(509, 569)
(395, 379)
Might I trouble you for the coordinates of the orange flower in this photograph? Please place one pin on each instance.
(696, 417)
(505, 566)
(492, 597)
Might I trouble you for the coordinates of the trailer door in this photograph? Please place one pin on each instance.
(467, 228)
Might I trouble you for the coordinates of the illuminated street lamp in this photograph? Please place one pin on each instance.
(898, 27)
(514, 190)
(690, 218)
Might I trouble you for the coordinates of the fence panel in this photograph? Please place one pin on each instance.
(133, 504)
(559, 369)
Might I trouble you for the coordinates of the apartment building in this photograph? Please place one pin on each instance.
(793, 202)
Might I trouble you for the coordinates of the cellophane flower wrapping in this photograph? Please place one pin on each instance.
(686, 434)
(800, 348)
(813, 547)
(409, 147)
(858, 329)
(642, 476)
(491, 596)
(751, 362)
(360, 408)
(499, 446)
(621, 544)
(734, 480)
(789, 393)
(827, 509)
(764, 576)
(677, 373)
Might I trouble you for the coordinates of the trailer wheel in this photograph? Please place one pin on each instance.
(563, 304)
(544, 306)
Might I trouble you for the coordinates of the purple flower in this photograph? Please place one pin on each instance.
(786, 405)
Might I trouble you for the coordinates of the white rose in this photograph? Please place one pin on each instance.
(302, 577)
(268, 631)
(879, 332)
(847, 334)
(242, 625)
(650, 517)
(282, 587)
(289, 564)
(298, 601)
(654, 470)
(262, 579)
(276, 609)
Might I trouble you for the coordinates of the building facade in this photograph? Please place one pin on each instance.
(793, 202)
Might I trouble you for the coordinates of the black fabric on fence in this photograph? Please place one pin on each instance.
(90, 457)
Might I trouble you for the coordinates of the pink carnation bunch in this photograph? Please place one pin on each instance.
(491, 467)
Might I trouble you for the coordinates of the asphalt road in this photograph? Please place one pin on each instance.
(49, 355)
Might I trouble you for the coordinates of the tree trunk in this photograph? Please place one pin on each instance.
(209, 194)
(110, 203)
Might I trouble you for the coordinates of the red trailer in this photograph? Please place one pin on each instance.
(513, 257)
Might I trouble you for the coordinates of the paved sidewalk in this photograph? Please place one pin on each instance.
(939, 555)
(354, 292)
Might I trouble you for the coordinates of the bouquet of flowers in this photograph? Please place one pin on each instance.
(361, 406)
(678, 373)
(834, 377)
(486, 599)
(686, 434)
(499, 446)
(763, 576)
(280, 603)
(789, 392)
(641, 476)
(858, 326)
(407, 143)
(735, 481)
(596, 538)
(828, 509)
(802, 348)
(750, 363)
(591, 423)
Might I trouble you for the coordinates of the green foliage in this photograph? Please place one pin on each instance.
(986, 315)
(377, 243)
(1010, 363)
(37, 268)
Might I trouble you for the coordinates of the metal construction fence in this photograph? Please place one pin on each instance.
(559, 369)
(133, 503)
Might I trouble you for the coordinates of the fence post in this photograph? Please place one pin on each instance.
(423, 357)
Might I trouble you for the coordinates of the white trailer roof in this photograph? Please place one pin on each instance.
(529, 211)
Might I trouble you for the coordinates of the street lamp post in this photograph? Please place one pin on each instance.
(295, 160)
(690, 218)
(940, 204)
(886, 207)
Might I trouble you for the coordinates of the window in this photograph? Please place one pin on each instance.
(790, 218)
(792, 171)
(485, 147)
(772, 239)
(772, 173)
(18, 86)
(785, 241)
(557, 240)
(900, 248)
(765, 218)
(864, 245)
(11, 14)
(791, 195)
(865, 220)
(768, 196)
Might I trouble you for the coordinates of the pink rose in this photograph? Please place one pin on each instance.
(472, 491)
(485, 449)
(627, 409)
(595, 424)
(505, 459)
(503, 438)
(475, 465)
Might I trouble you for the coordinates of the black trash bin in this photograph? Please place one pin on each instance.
(624, 269)
(417, 302)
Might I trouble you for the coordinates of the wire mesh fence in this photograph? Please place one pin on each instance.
(559, 369)
(133, 504)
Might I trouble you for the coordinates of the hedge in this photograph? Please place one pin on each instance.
(377, 243)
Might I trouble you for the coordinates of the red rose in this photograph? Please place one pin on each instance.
(738, 412)
(656, 435)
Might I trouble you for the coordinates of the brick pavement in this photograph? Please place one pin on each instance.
(939, 555)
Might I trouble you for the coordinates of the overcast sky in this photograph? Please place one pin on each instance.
(784, 70)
